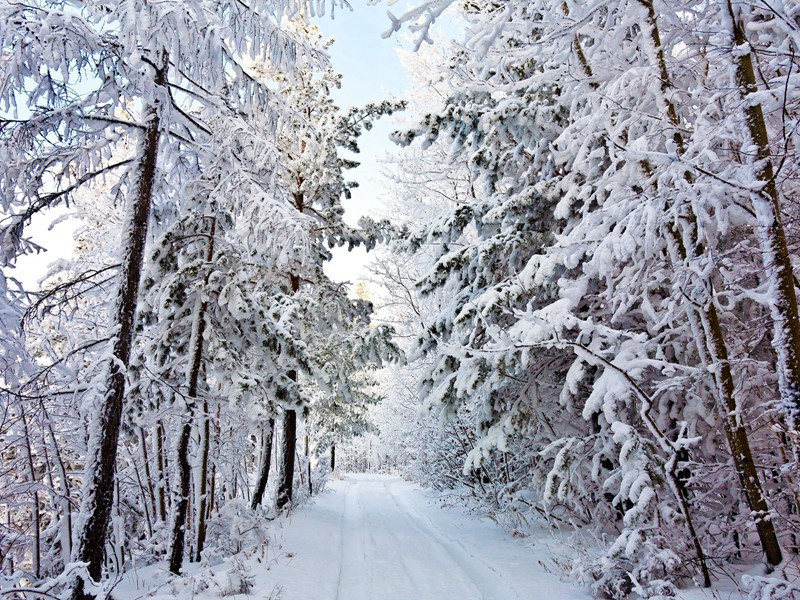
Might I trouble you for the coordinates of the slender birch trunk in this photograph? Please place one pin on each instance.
(36, 549)
(65, 534)
(147, 475)
(213, 488)
(161, 470)
(142, 491)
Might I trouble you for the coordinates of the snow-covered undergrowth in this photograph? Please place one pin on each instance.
(241, 542)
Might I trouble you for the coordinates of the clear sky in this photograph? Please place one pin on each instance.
(371, 72)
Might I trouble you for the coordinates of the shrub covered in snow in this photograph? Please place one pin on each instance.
(234, 527)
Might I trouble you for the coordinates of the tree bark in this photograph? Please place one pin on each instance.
(36, 550)
(182, 502)
(184, 475)
(202, 484)
(142, 491)
(308, 464)
(266, 460)
(289, 417)
(775, 250)
(333, 457)
(66, 506)
(161, 470)
(147, 474)
(288, 454)
(212, 493)
(98, 485)
(8, 559)
(715, 343)
(740, 444)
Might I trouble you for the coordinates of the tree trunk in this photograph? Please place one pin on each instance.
(775, 250)
(289, 418)
(184, 476)
(202, 497)
(161, 470)
(65, 531)
(118, 549)
(8, 559)
(287, 454)
(151, 494)
(308, 464)
(333, 457)
(266, 460)
(98, 485)
(740, 444)
(213, 488)
(714, 343)
(182, 502)
(142, 491)
(36, 550)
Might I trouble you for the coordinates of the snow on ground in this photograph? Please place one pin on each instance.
(373, 537)
(377, 537)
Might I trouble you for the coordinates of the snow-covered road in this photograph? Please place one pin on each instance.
(379, 538)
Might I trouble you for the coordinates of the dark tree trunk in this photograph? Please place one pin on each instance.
(161, 468)
(184, 474)
(266, 460)
(286, 484)
(308, 464)
(287, 454)
(147, 474)
(182, 504)
(202, 497)
(333, 457)
(775, 248)
(98, 486)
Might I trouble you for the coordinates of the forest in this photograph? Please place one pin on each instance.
(581, 320)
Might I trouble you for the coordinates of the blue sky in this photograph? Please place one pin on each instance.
(371, 72)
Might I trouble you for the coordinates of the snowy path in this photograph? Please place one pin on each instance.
(379, 538)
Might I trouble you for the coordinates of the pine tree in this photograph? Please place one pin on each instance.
(625, 265)
(315, 178)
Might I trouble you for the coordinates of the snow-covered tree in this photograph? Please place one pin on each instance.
(594, 293)
(135, 91)
(315, 177)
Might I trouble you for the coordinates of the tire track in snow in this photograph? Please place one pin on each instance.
(379, 524)
(385, 552)
(457, 551)
(342, 534)
(460, 565)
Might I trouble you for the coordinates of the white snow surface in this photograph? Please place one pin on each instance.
(375, 537)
